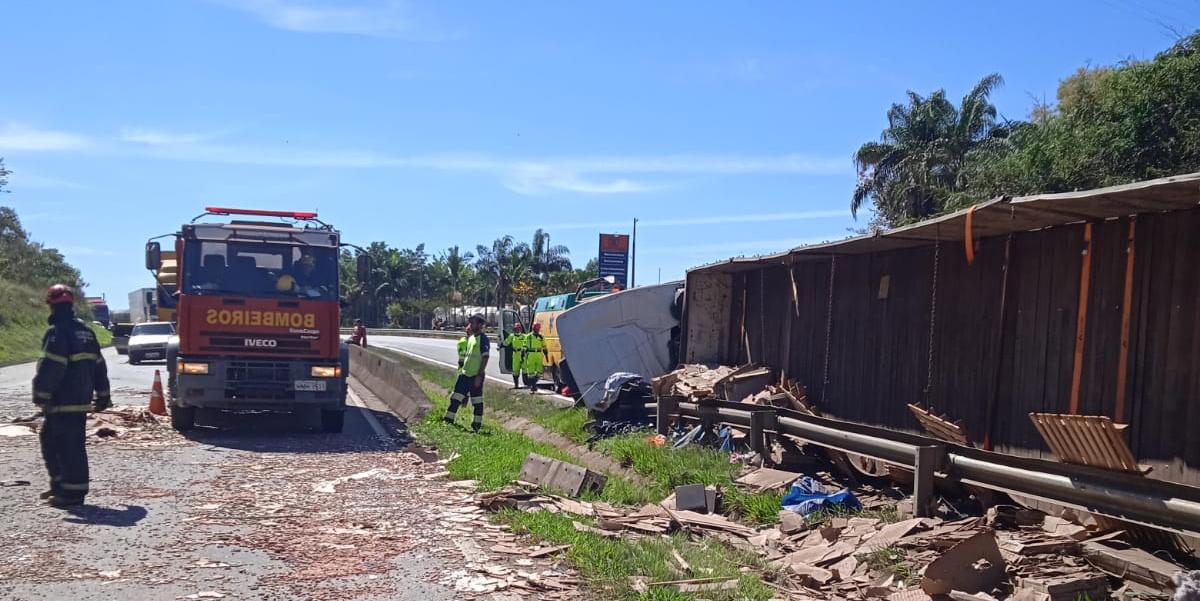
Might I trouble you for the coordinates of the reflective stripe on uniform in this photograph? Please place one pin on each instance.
(76, 486)
(68, 408)
(84, 357)
(55, 358)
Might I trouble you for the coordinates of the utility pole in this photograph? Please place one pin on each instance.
(660, 275)
(633, 257)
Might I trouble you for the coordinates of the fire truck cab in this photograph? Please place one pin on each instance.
(257, 316)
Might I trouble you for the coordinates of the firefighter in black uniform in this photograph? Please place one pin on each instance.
(70, 369)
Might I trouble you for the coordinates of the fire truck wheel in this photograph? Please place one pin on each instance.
(183, 418)
(332, 420)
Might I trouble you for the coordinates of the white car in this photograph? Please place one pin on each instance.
(149, 341)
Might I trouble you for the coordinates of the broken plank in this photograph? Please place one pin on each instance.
(549, 551)
(1132, 564)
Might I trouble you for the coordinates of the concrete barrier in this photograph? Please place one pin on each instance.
(392, 383)
(445, 334)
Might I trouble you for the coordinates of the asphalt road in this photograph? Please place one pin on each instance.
(247, 506)
(443, 351)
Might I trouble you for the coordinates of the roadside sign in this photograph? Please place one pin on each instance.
(614, 257)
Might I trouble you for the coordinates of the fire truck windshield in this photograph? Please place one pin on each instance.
(260, 270)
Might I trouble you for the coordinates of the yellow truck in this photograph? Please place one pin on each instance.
(545, 312)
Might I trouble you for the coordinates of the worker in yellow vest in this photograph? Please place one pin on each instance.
(517, 341)
(468, 388)
(535, 356)
(462, 349)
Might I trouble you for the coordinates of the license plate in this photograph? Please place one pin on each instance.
(153, 355)
(311, 385)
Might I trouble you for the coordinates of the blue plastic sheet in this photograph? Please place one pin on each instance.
(807, 496)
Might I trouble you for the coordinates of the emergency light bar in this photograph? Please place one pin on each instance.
(261, 213)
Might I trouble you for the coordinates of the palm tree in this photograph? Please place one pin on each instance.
(919, 159)
(548, 259)
(506, 262)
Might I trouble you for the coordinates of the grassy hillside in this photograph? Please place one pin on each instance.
(23, 321)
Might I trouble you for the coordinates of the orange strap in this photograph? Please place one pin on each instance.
(1126, 310)
(968, 236)
(1085, 276)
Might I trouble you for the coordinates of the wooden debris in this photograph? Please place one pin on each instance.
(939, 427)
(812, 575)
(1068, 587)
(548, 551)
(1132, 564)
(1041, 546)
(581, 527)
(890, 534)
(560, 475)
(683, 564)
(714, 522)
(971, 566)
(767, 479)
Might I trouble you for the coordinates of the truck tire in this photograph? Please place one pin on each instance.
(332, 420)
(183, 418)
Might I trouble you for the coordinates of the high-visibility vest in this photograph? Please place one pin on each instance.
(472, 357)
(517, 342)
(462, 349)
(533, 364)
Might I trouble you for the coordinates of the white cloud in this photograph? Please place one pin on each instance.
(380, 18)
(152, 137)
(17, 136)
(595, 175)
(544, 178)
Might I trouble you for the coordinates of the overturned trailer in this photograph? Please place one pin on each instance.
(633, 331)
(1078, 303)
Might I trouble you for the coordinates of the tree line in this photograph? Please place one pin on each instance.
(1135, 120)
(28, 263)
(408, 285)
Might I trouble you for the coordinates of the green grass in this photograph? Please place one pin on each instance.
(568, 422)
(536, 408)
(666, 467)
(103, 336)
(889, 560)
(756, 508)
(22, 323)
(608, 563)
(493, 457)
(821, 517)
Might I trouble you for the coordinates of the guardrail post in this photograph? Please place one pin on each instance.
(760, 422)
(709, 414)
(928, 460)
(668, 406)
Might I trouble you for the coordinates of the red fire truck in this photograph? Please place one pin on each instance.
(257, 316)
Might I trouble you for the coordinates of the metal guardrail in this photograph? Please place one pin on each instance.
(1130, 497)
(403, 332)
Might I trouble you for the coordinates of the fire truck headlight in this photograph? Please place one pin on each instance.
(326, 371)
(192, 368)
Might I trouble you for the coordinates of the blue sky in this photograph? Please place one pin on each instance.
(727, 128)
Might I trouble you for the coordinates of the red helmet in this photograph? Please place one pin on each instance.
(59, 294)
(537, 327)
(517, 327)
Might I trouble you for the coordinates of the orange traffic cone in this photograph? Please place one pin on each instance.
(158, 406)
